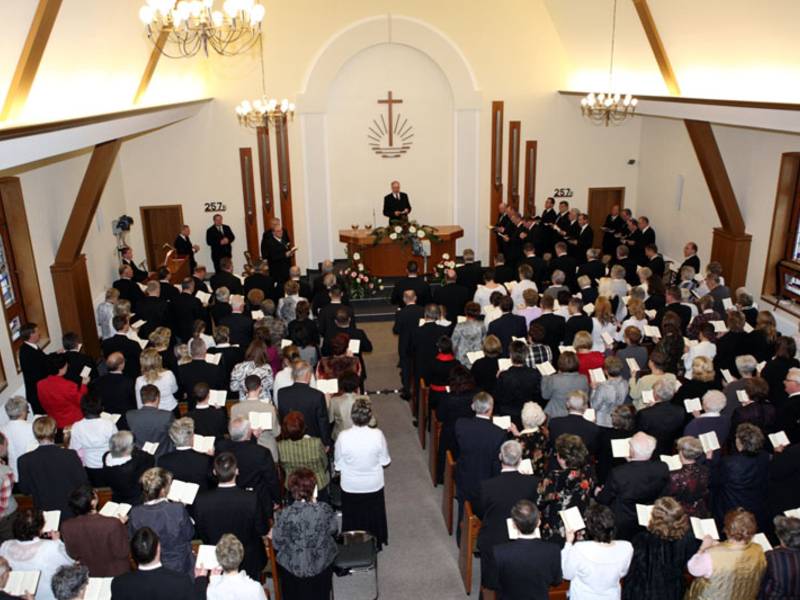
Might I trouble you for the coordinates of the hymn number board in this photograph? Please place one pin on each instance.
(390, 135)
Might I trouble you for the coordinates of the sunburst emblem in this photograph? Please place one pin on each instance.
(392, 135)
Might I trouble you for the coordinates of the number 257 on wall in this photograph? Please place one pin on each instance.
(562, 193)
(214, 207)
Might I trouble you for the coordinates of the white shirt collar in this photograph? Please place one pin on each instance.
(484, 417)
(152, 567)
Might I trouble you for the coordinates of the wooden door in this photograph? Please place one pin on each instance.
(160, 225)
(600, 202)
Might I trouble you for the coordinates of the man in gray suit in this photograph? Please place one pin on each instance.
(150, 423)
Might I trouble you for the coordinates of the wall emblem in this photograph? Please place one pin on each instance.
(391, 136)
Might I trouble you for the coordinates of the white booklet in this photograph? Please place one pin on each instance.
(760, 366)
(207, 558)
(86, 372)
(518, 339)
(142, 286)
(217, 398)
(52, 519)
(597, 375)
(461, 319)
(762, 541)
(588, 308)
(142, 343)
(525, 467)
(650, 314)
(643, 512)
(285, 343)
(692, 405)
(590, 415)
(609, 341)
(652, 331)
(204, 297)
(648, 397)
(150, 447)
(779, 439)
(747, 327)
(621, 448)
(260, 420)
(213, 358)
(502, 422)
(182, 491)
(633, 366)
(472, 357)
(138, 324)
(503, 364)
(111, 417)
(704, 527)
(513, 532)
(546, 368)
(726, 375)
(673, 461)
(793, 512)
(719, 326)
(328, 386)
(742, 396)
(709, 441)
(727, 304)
(22, 582)
(256, 315)
(115, 509)
(573, 521)
(203, 443)
(563, 349)
(354, 346)
(98, 588)
(421, 321)
(690, 343)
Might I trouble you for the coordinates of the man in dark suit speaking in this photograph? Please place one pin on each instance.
(219, 237)
(395, 205)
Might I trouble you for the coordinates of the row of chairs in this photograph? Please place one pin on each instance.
(427, 422)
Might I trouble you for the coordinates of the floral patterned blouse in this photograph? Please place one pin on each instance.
(559, 490)
(468, 337)
(303, 538)
(689, 486)
(535, 447)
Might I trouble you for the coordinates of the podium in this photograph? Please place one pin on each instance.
(178, 268)
(389, 258)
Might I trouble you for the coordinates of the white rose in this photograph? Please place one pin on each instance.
(392, 236)
(452, 264)
(421, 233)
(445, 256)
(398, 229)
(412, 229)
(356, 256)
(360, 267)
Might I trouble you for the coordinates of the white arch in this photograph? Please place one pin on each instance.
(387, 29)
(312, 106)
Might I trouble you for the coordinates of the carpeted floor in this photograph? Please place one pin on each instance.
(420, 561)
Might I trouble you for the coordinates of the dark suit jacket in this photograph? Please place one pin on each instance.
(200, 371)
(684, 312)
(117, 392)
(151, 425)
(124, 479)
(168, 291)
(326, 319)
(576, 425)
(507, 326)
(593, 269)
(233, 510)
(453, 297)
(158, 584)
(784, 473)
(213, 239)
(423, 347)
(585, 241)
(184, 311)
(392, 204)
(188, 465)
(33, 363)
(257, 471)
(418, 284)
(232, 355)
(309, 401)
(554, 327)
(692, 261)
(664, 421)
(478, 442)
(228, 280)
(274, 251)
(241, 328)
(637, 482)
(539, 268)
(657, 265)
(183, 247)
(569, 267)
(129, 349)
(589, 295)
(630, 265)
(265, 283)
(470, 275)
(210, 421)
(76, 361)
(576, 323)
(50, 473)
(526, 569)
(155, 313)
(139, 275)
(129, 290)
(498, 496)
(406, 322)
(515, 386)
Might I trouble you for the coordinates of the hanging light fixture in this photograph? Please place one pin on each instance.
(609, 108)
(262, 111)
(182, 29)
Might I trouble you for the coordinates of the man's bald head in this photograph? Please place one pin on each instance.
(409, 297)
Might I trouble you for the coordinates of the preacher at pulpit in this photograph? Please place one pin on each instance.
(395, 205)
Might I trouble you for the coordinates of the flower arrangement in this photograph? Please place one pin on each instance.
(405, 232)
(360, 283)
(442, 266)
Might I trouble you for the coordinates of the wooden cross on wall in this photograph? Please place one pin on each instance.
(390, 102)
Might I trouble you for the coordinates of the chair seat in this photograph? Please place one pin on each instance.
(356, 556)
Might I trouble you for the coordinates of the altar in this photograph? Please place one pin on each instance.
(389, 258)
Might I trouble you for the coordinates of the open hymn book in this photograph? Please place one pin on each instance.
(207, 558)
(513, 532)
(703, 528)
(260, 420)
(709, 441)
(114, 509)
(99, 588)
(22, 582)
(573, 521)
(182, 491)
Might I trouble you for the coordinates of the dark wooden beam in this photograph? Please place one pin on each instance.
(249, 195)
(265, 173)
(92, 186)
(716, 175)
(150, 67)
(657, 46)
(514, 134)
(285, 178)
(531, 150)
(28, 64)
(496, 183)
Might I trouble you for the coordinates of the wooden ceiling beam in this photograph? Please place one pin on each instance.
(150, 68)
(28, 64)
(657, 46)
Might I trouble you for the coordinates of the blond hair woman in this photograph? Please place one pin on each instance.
(154, 373)
(603, 321)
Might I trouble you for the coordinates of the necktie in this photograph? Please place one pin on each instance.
(219, 228)
(396, 197)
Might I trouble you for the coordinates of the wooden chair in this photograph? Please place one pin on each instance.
(103, 495)
(422, 413)
(228, 405)
(183, 408)
(23, 502)
(470, 527)
(449, 491)
(273, 567)
(560, 592)
(433, 447)
(487, 594)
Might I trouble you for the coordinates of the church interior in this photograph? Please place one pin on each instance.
(297, 132)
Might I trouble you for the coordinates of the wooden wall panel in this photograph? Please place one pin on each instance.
(496, 183)
(285, 178)
(265, 174)
(249, 195)
(514, 133)
(529, 202)
(788, 188)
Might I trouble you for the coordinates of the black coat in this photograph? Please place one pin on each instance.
(594, 270)
(129, 349)
(33, 363)
(188, 465)
(423, 347)
(311, 402)
(630, 266)
(214, 239)
(139, 275)
(184, 311)
(76, 361)
(232, 355)
(506, 327)
(657, 568)
(589, 432)
(240, 326)
(274, 251)
(236, 511)
(784, 473)
(453, 297)
(117, 393)
(484, 370)
(516, 386)
(124, 479)
(228, 280)
(740, 480)
(211, 421)
(199, 371)
(257, 471)
(470, 275)
(406, 322)
(265, 283)
(684, 312)
(355, 334)
(576, 323)
(168, 291)
(569, 266)
(478, 442)
(326, 319)
(392, 204)
(526, 569)
(539, 268)
(129, 290)
(158, 584)
(185, 248)
(418, 284)
(636, 482)
(692, 261)
(554, 328)
(665, 422)
(50, 473)
(154, 311)
(498, 496)
(657, 265)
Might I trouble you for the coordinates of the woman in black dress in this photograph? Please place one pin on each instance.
(454, 405)
(484, 370)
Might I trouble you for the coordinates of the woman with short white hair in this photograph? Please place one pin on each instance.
(233, 583)
(534, 437)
